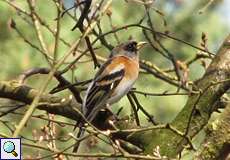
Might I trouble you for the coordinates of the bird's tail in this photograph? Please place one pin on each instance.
(80, 134)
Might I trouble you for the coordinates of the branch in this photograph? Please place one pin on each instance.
(84, 14)
(196, 113)
(66, 107)
(62, 81)
(217, 141)
(52, 104)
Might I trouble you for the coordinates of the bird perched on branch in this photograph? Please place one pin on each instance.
(113, 80)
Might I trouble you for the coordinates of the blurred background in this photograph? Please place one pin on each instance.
(184, 19)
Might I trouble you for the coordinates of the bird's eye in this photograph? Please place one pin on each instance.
(131, 47)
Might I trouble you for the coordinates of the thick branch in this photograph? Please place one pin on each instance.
(52, 104)
(217, 141)
(196, 113)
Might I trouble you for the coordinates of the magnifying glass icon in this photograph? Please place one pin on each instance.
(9, 147)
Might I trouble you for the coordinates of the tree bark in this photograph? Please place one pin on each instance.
(196, 112)
(50, 103)
(217, 141)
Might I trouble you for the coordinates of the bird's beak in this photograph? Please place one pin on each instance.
(141, 44)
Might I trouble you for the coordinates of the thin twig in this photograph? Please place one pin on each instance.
(38, 30)
(139, 106)
(134, 109)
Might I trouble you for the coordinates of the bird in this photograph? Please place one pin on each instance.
(113, 80)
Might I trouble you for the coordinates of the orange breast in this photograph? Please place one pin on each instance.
(131, 66)
(131, 74)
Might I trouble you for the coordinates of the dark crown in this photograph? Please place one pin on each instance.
(131, 46)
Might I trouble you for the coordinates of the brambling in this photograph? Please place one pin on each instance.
(114, 79)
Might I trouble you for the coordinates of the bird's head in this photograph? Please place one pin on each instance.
(129, 48)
